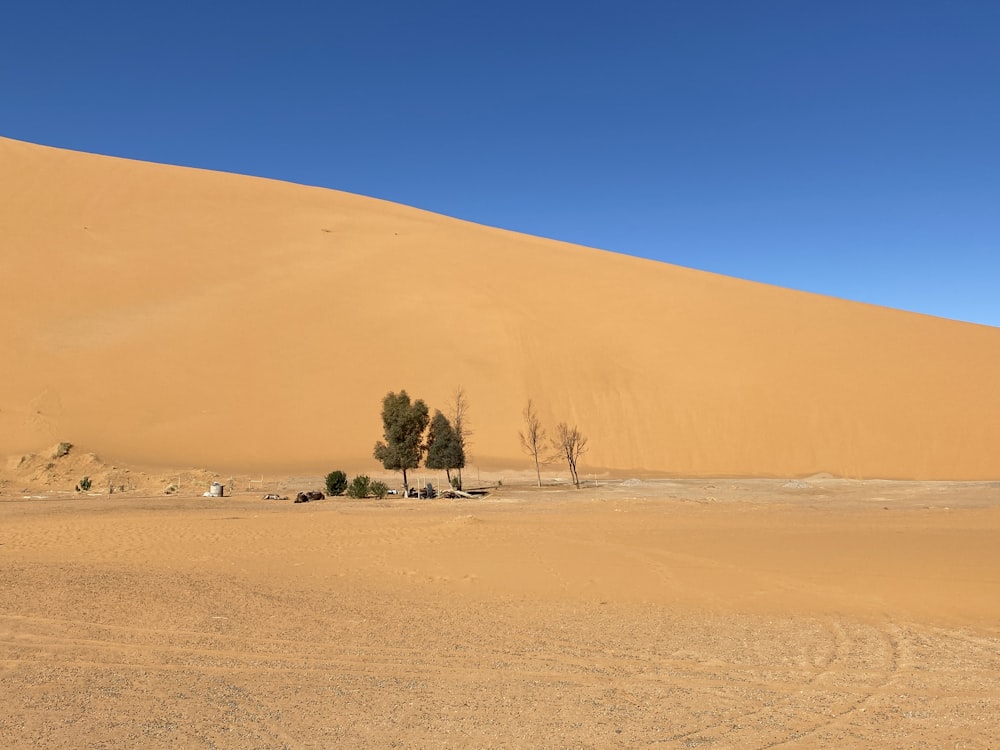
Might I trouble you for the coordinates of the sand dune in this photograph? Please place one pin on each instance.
(167, 316)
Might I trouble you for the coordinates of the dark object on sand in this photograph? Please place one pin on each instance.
(308, 497)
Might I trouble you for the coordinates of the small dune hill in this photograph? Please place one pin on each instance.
(64, 467)
(60, 465)
(167, 316)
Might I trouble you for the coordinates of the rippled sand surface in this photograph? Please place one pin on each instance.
(681, 614)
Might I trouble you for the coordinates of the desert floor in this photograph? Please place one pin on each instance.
(673, 614)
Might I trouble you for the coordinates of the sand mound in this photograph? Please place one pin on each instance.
(64, 468)
(61, 465)
(176, 317)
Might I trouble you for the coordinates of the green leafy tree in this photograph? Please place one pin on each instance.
(444, 446)
(336, 483)
(403, 426)
(379, 489)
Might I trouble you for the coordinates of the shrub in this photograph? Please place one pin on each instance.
(336, 483)
(84, 485)
(379, 489)
(360, 486)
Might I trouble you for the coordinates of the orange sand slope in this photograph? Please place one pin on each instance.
(172, 316)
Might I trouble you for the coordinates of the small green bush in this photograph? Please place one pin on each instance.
(379, 489)
(336, 483)
(84, 485)
(360, 486)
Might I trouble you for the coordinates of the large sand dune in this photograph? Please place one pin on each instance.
(164, 315)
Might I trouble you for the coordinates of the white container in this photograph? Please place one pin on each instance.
(215, 490)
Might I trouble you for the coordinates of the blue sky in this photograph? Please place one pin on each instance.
(847, 148)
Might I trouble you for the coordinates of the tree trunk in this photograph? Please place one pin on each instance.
(406, 486)
(538, 471)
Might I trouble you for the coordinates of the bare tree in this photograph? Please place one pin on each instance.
(533, 438)
(460, 424)
(570, 443)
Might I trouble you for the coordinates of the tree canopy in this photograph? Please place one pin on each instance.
(403, 426)
(444, 446)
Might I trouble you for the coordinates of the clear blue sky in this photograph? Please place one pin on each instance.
(848, 148)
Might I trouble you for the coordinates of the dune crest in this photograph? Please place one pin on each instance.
(178, 317)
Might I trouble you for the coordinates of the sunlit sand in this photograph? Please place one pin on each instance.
(168, 316)
(668, 614)
(183, 327)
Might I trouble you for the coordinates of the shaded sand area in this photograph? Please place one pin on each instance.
(673, 614)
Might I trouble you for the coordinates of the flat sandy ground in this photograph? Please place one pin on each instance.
(670, 614)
